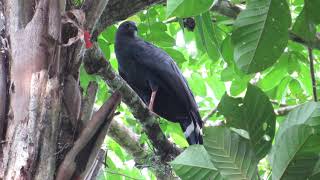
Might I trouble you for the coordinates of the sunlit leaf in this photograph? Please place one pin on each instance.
(188, 167)
(230, 153)
(187, 8)
(261, 34)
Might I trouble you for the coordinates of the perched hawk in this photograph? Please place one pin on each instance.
(155, 77)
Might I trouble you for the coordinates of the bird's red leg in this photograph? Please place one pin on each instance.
(153, 96)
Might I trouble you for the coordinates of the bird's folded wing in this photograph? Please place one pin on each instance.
(163, 66)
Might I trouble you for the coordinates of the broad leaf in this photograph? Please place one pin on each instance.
(296, 153)
(305, 25)
(259, 118)
(274, 77)
(308, 113)
(261, 34)
(230, 153)
(203, 39)
(254, 114)
(187, 8)
(188, 167)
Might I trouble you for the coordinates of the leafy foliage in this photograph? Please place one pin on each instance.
(230, 153)
(197, 168)
(254, 114)
(187, 8)
(220, 59)
(263, 25)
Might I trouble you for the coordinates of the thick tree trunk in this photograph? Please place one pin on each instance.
(38, 85)
(35, 97)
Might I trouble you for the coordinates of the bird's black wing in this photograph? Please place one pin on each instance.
(164, 67)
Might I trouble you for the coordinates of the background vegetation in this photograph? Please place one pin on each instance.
(248, 70)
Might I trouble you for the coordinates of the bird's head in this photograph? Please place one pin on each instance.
(128, 28)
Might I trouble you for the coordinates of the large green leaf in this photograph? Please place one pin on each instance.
(308, 113)
(275, 76)
(261, 34)
(230, 153)
(296, 153)
(188, 167)
(305, 25)
(227, 50)
(203, 39)
(254, 114)
(187, 8)
(259, 118)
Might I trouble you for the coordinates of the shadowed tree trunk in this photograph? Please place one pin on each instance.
(38, 86)
(47, 126)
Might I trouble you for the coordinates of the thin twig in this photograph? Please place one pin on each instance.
(282, 111)
(210, 114)
(278, 103)
(116, 173)
(313, 78)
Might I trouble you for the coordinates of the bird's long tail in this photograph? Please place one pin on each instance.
(192, 128)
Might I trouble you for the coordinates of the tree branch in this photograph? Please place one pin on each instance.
(88, 102)
(80, 158)
(127, 140)
(284, 110)
(95, 63)
(210, 114)
(130, 142)
(118, 10)
(312, 74)
(93, 10)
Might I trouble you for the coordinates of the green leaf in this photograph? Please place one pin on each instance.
(203, 40)
(210, 32)
(161, 38)
(282, 87)
(308, 113)
(274, 77)
(216, 85)
(188, 167)
(304, 78)
(230, 153)
(261, 34)
(227, 50)
(293, 66)
(260, 119)
(231, 109)
(254, 114)
(305, 25)
(227, 74)
(109, 34)
(238, 86)
(197, 84)
(296, 153)
(187, 8)
(295, 88)
(176, 55)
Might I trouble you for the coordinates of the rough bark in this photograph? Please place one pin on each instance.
(118, 10)
(79, 159)
(34, 96)
(88, 102)
(3, 83)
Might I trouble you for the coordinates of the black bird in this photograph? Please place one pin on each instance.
(153, 74)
